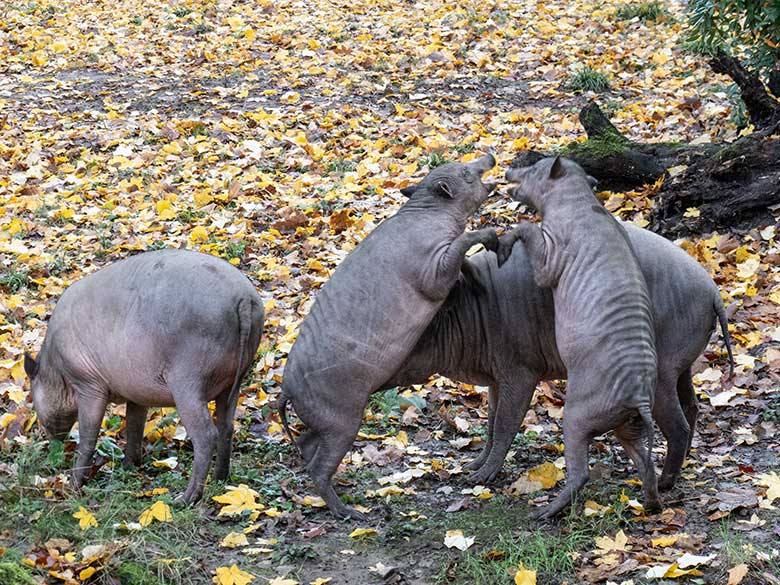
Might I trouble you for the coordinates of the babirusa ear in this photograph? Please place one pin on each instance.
(592, 181)
(409, 191)
(443, 189)
(556, 169)
(30, 366)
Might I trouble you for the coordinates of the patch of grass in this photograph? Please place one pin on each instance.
(158, 245)
(181, 11)
(646, 11)
(15, 574)
(588, 79)
(187, 215)
(463, 148)
(501, 528)
(390, 405)
(15, 278)
(235, 249)
(340, 166)
(433, 160)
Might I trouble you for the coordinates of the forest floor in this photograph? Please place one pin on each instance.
(277, 134)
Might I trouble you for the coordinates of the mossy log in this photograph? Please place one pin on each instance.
(734, 185)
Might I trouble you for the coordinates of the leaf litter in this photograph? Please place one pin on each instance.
(277, 137)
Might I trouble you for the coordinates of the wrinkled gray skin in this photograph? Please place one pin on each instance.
(373, 310)
(603, 319)
(497, 329)
(165, 328)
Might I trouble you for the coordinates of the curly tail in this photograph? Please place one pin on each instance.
(724, 328)
(281, 410)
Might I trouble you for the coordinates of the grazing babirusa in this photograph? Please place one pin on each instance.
(603, 318)
(369, 315)
(164, 328)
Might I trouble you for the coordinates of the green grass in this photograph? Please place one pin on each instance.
(14, 279)
(176, 553)
(433, 160)
(646, 11)
(340, 166)
(588, 79)
(235, 249)
(506, 536)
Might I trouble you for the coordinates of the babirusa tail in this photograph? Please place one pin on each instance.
(244, 329)
(647, 418)
(724, 328)
(281, 410)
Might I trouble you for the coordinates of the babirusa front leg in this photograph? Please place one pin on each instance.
(449, 265)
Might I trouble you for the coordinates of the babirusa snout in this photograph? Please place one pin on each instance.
(484, 163)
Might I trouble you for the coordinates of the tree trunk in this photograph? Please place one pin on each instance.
(762, 109)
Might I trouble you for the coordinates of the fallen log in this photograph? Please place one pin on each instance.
(711, 186)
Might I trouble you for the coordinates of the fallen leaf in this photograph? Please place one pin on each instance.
(85, 518)
(525, 576)
(607, 544)
(238, 500)
(547, 474)
(233, 576)
(362, 533)
(456, 539)
(737, 573)
(234, 539)
(159, 511)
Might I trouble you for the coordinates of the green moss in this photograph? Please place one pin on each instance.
(601, 146)
(135, 574)
(14, 574)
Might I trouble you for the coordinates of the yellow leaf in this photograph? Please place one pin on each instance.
(402, 438)
(202, 198)
(249, 34)
(283, 581)
(39, 59)
(525, 576)
(153, 492)
(85, 574)
(85, 518)
(607, 544)
(232, 576)
(737, 573)
(199, 234)
(321, 581)
(661, 57)
(664, 541)
(362, 532)
(58, 46)
(239, 500)
(772, 483)
(15, 227)
(165, 211)
(17, 371)
(234, 539)
(546, 474)
(158, 511)
(235, 22)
